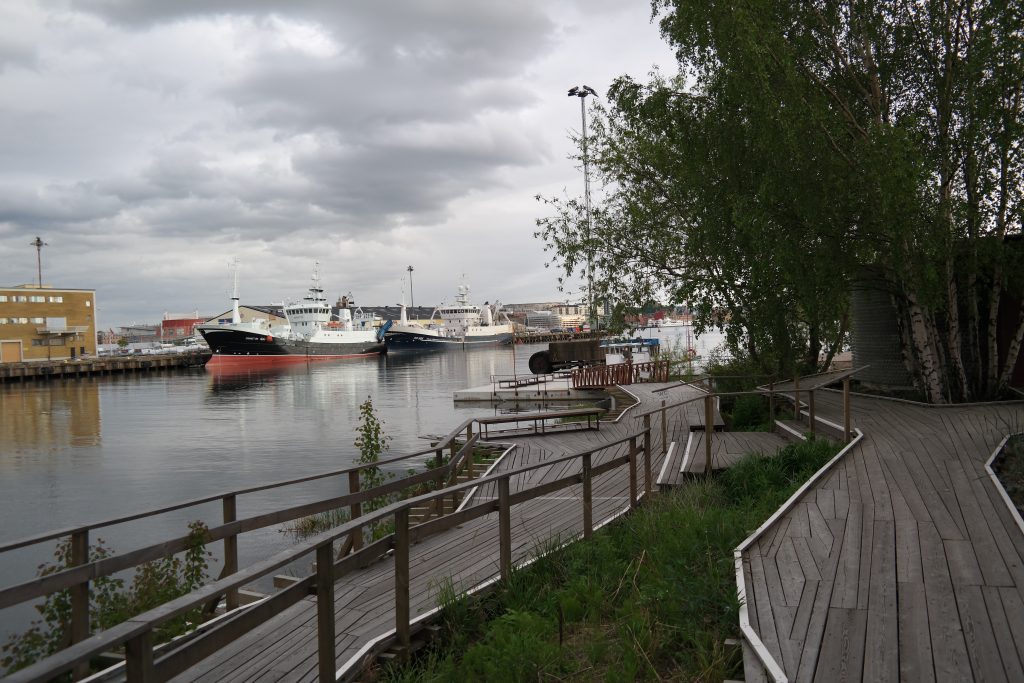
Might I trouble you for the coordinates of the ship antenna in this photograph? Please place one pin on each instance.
(235, 317)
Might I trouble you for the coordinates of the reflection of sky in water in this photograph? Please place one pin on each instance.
(166, 437)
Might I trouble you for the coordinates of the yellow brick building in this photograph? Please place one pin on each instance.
(44, 323)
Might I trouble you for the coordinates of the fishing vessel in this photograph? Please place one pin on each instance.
(312, 332)
(462, 325)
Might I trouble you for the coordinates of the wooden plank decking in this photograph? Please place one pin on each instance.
(903, 563)
(467, 556)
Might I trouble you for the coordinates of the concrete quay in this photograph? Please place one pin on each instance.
(53, 369)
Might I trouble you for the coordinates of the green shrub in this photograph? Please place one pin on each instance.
(110, 603)
(651, 596)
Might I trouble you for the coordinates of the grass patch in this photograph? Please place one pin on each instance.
(651, 597)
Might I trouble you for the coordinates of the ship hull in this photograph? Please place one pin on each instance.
(416, 341)
(237, 347)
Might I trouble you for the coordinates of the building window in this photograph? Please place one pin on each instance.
(37, 321)
(3, 298)
(37, 299)
(88, 304)
(20, 299)
(4, 321)
(58, 341)
(56, 299)
(38, 342)
(19, 321)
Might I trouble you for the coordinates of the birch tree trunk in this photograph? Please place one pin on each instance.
(925, 350)
(954, 341)
(992, 327)
(1012, 352)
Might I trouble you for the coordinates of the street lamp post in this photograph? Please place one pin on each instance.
(38, 243)
(581, 92)
(412, 299)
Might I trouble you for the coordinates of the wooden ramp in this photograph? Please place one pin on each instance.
(466, 557)
(903, 562)
(727, 448)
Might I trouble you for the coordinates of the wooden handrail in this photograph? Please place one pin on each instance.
(60, 533)
(136, 633)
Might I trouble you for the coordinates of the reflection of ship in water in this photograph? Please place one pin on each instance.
(54, 415)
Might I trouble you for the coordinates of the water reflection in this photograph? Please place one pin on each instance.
(49, 416)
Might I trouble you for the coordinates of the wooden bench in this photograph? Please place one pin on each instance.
(542, 423)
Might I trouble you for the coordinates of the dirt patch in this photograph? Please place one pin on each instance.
(1009, 467)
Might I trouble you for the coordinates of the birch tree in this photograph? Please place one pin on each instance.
(807, 145)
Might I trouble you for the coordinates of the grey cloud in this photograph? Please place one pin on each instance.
(55, 204)
(382, 183)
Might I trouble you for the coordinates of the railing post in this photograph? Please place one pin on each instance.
(325, 611)
(138, 658)
(632, 471)
(230, 550)
(647, 422)
(402, 578)
(810, 406)
(355, 510)
(647, 465)
(664, 428)
(588, 498)
(504, 529)
(771, 406)
(80, 598)
(846, 410)
(709, 429)
(796, 398)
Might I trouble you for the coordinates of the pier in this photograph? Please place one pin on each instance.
(84, 367)
(899, 559)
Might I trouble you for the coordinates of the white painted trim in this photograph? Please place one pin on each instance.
(999, 485)
(786, 428)
(472, 492)
(688, 454)
(664, 466)
(765, 657)
(635, 398)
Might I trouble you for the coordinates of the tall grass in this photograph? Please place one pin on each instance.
(651, 597)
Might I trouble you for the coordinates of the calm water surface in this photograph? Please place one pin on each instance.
(84, 450)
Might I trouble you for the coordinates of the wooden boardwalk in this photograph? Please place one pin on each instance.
(903, 562)
(468, 557)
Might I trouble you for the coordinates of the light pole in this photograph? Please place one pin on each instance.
(38, 243)
(412, 299)
(581, 92)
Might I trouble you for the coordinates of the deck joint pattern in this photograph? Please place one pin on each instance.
(901, 562)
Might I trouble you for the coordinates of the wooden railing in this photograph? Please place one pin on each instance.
(143, 663)
(771, 391)
(621, 373)
(77, 577)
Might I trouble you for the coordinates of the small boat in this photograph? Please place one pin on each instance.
(311, 333)
(462, 325)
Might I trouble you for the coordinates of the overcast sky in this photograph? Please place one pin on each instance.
(148, 142)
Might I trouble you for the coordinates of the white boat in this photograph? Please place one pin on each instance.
(311, 333)
(462, 325)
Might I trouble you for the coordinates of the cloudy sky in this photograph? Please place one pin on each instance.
(148, 142)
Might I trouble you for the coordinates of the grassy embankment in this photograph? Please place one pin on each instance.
(651, 597)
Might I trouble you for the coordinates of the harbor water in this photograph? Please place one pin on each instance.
(84, 450)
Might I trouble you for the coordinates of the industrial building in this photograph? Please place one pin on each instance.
(45, 323)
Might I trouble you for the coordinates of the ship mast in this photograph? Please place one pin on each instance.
(235, 317)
